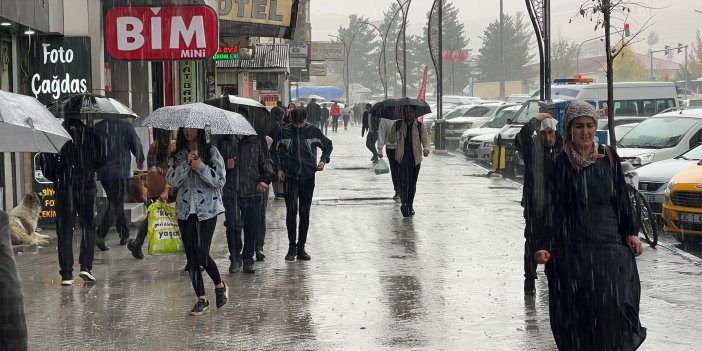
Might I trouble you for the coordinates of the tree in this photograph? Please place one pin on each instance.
(392, 25)
(601, 12)
(694, 64)
(626, 67)
(564, 56)
(516, 41)
(363, 49)
(453, 40)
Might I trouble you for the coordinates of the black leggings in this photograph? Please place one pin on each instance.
(197, 238)
(298, 197)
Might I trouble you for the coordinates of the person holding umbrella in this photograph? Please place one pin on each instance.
(412, 140)
(295, 158)
(197, 172)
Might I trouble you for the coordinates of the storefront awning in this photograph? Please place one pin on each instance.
(266, 56)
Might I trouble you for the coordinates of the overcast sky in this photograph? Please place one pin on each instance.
(674, 21)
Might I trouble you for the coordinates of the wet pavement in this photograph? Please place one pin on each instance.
(448, 279)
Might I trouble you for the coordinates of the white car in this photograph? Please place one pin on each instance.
(473, 117)
(493, 126)
(662, 137)
(480, 147)
(654, 177)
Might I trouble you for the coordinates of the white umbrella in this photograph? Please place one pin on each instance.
(237, 100)
(27, 126)
(200, 116)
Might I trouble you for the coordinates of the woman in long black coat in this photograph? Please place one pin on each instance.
(590, 249)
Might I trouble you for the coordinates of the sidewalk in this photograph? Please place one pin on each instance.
(448, 279)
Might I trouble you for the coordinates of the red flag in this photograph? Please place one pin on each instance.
(423, 89)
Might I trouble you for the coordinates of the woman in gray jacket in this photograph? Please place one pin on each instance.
(196, 171)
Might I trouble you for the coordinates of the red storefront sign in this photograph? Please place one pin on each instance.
(161, 33)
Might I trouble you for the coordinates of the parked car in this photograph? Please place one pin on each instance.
(473, 117)
(492, 127)
(682, 205)
(662, 137)
(654, 177)
(621, 130)
(480, 147)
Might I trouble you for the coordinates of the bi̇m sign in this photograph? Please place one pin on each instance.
(161, 33)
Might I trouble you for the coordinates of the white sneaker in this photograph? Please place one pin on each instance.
(87, 276)
(67, 282)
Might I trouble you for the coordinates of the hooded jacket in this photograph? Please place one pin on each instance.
(295, 150)
(253, 165)
(120, 142)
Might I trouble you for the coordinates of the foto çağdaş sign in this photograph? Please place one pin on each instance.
(59, 66)
(161, 33)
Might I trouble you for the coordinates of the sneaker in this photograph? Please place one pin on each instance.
(260, 257)
(235, 265)
(87, 276)
(135, 249)
(302, 255)
(66, 282)
(291, 253)
(222, 295)
(529, 287)
(100, 243)
(249, 266)
(201, 307)
(405, 210)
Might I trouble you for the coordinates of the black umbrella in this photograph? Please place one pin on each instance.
(91, 106)
(253, 111)
(394, 108)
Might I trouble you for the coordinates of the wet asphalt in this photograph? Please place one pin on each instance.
(448, 279)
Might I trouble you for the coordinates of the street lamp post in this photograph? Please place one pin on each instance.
(345, 68)
(381, 71)
(502, 55)
(404, 44)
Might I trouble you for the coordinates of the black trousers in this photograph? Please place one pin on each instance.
(409, 172)
(298, 198)
(371, 139)
(325, 125)
(197, 238)
(243, 213)
(346, 121)
(261, 238)
(533, 228)
(71, 200)
(394, 169)
(144, 226)
(115, 189)
(335, 123)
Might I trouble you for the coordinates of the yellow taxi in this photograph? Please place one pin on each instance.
(682, 205)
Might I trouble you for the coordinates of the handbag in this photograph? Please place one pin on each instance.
(164, 233)
(381, 167)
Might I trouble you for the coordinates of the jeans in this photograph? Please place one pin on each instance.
(298, 198)
(394, 169)
(325, 126)
(408, 179)
(197, 238)
(335, 123)
(114, 214)
(371, 139)
(346, 121)
(72, 199)
(243, 213)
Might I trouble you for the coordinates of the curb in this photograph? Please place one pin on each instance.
(690, 257)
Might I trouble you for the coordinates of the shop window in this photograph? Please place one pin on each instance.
(266, 81)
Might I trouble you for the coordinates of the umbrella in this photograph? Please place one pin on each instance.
(253, 111)
(200, 116)
(394, 108)
(312, 96)
(27, 126)
(91, 105)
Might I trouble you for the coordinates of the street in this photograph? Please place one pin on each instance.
(448, 279)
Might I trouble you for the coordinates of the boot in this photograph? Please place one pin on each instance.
(301, 254)
(235, 265)
(291, 253)
(100, 242)
(249, 266)
(404, 208)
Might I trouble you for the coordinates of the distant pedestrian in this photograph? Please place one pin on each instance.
(539, 143)
(371, 125)
(358, 110)
(346, 114)
(73, 174)
(295, 158)
(249, 172)
(160, 151)
(314, 113)
(590, 248)
(197, 172)
(384, 128)
(335, 113)
(120, 143)
(286, 118)
(412, 142)
(325, 120)
(278, 113)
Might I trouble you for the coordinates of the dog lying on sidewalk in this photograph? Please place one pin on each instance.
(23, 221)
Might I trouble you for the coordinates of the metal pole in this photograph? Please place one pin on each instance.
(687, 77)
(439, 142)
(501, 60)
(547, 49)
(387, 31)
(651, 52)
(345, 68)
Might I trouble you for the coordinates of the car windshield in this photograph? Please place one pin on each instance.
(458, 112)
(527, 112)
(658, 133)
(480, 111)
(500, 119)
(621, 131)
(694, 154)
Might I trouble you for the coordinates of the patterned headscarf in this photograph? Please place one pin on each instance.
(575, 109)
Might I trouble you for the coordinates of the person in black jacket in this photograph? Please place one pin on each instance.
(370, 124)
(73, 174)
(314, 113)
(249, 172)
(538, 143)
(13, 322)
(325, 120)
(295, 158)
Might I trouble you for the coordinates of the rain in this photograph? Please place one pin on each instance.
(365, 175)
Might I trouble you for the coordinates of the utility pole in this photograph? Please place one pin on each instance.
(345, 68)
(501, 60)
(547, 48)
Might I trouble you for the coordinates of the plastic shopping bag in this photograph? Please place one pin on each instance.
(164, 234)
(381, 167)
